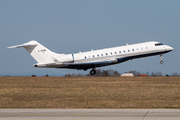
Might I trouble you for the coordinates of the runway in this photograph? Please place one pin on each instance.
(86, 114)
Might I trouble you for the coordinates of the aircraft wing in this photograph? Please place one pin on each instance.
(88, 65)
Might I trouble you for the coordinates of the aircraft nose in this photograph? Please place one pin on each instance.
(169, 48)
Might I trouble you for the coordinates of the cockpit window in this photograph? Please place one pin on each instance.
(159, 44)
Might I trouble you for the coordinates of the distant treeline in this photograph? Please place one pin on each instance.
(112, 72)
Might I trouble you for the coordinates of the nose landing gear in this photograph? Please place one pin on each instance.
(93, 72)
(161, 59)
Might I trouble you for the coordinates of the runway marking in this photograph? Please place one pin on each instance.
(145, 115)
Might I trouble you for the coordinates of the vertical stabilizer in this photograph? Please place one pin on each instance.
(37, 51)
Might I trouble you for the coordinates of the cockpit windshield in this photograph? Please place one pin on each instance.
(159, 44)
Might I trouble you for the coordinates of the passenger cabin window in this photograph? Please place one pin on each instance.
(85, 57)
(115, 52)
(101, 54)
(111, 53)
(124, 51)
(159, 44)
(93, 55)
(119, 51)
(106, 53)
(128, 50)
(132, 49)
(98, 55)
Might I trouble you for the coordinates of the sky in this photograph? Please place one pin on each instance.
(70, 26)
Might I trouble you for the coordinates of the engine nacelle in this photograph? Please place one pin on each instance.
(66, 58)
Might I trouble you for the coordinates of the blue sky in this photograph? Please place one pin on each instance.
(70, 26)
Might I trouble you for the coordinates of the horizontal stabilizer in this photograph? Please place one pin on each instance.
(18, 46)
(31, 43)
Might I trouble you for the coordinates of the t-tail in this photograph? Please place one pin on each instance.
(37, 51)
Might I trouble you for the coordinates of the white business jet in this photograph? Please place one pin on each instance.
(94, 58)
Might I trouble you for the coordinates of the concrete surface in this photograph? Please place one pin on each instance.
(86, 114)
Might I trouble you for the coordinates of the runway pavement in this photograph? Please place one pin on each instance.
(86, 114)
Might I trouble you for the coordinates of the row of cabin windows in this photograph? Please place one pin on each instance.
(115, 52)
(158, 44)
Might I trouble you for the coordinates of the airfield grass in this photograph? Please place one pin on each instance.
(90, 92)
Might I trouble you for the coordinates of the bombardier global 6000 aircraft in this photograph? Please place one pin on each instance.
(94, 58)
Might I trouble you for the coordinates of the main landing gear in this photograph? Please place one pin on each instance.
(93, 72)
(161, 59)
